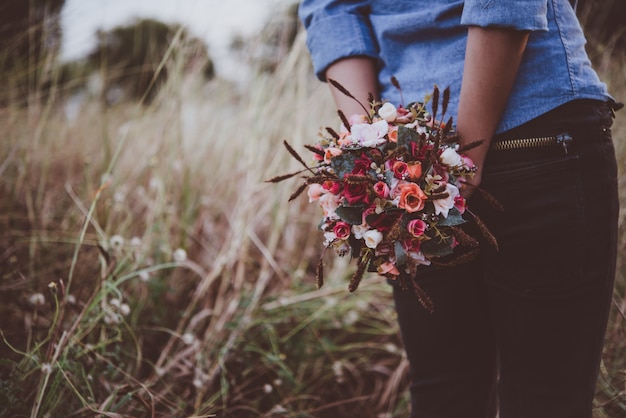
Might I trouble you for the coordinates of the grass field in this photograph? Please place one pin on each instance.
(148, 271)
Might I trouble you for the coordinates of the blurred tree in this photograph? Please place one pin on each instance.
(604, 22)
(135, 60)
(30, 39)
(267, 50)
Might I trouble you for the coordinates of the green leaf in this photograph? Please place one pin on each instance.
(350, 214)
(454, 218)
(437, 247)
(406, 136)
(400, 253)
(343, 164)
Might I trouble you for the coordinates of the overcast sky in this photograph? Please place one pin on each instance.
(215, 21)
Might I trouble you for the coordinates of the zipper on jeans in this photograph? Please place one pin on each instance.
(563, 140)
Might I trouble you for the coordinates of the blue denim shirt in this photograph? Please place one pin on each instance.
(422, 43)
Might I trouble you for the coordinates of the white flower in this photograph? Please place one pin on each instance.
(267, 388)
(116, 242)
(388, 112)
(391, 347)
(198, 383)
(112, 318)
(46, 368)
(144, 276)
(118, 197)
(329, 237)
(337, 367)
(359, 230)
(180, 255)
(37, 299)
(451, 158)
(350, 318)
(71, 299)
(115, 302)
(442, 206)
(278, 409)
(338, 371)
(124, 309)
(155, 184)
(370, 135)
(188, 338)
(372, 238)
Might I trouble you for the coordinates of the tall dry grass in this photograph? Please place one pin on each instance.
(148, 271)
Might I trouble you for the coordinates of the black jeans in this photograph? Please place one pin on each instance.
(522, 327)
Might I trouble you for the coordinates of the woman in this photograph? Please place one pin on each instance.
(520, 329)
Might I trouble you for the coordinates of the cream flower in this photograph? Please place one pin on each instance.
(388, 112)
(442, 206)
(329, 203)
(359, 230)
(451, 158)
(372, 238)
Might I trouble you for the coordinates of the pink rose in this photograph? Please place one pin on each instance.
(460, 204)
(342, 230)
(381, 189)
(416, 227)
(315, 191)
(370, 135)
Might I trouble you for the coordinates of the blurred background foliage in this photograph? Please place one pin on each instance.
(132, 180)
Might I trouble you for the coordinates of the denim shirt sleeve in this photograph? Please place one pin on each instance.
(336, 29)
(515, 14)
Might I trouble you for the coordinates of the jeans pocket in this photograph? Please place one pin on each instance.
(542, 228)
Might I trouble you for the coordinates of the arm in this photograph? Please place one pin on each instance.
(343, 47)
(358, 75)
(492, 58)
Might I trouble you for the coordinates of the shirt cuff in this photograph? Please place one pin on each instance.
(332, 38)
(518, 14)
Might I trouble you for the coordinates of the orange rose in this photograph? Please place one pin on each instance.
(412, 198)
(393, 134)
(388, 269)
(331, 152)
(414, 170)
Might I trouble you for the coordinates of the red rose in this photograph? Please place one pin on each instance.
(332, 186)
(356, 193)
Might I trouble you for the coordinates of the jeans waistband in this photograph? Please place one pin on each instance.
(577, 115)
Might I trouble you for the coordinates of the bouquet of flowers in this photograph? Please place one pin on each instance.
(388, 184)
